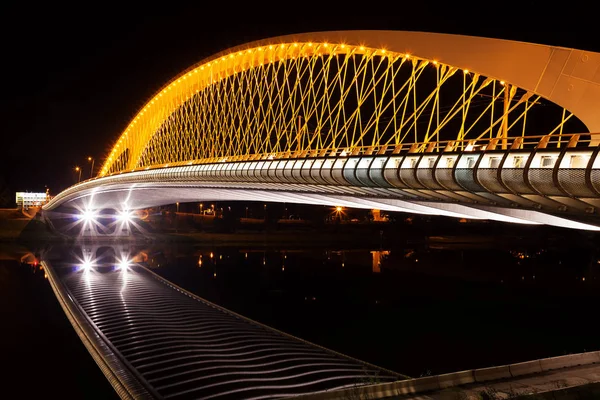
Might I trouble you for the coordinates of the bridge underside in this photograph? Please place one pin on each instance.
(151, 194)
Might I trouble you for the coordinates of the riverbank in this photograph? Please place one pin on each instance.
(426, 231)
(19, 226)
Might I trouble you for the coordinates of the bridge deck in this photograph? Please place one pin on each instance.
(177, 345)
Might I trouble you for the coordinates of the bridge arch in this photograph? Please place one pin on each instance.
(566, 77)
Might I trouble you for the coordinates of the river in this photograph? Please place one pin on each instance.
(448, 304)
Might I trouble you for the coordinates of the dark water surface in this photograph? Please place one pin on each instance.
(449, 304)
(42, 355)
(415, 311)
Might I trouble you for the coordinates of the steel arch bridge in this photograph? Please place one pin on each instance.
(406, 121)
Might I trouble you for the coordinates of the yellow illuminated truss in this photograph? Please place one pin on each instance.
(296, 99)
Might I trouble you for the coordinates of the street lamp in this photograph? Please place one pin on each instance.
(91, 159)
(77, 169)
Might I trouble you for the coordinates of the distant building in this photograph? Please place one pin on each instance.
(28, 199)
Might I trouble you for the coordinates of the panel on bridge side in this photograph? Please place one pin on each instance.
(233, 174)
(252, 171)
(513, 172)
(362, 171)
(243, 171)
(444, 172)
(246, 171)
(595, 173)
(305, 172)
(226, 172)
(287, 171)
(274, 170)
(464, 172)
(177, 172)
(203, 171)
(182, 174)
(488, 170)
(263, 171)
(349, 171)
(260, 169)
(314, 171)
(487, 167)
(297, 171)
(174, 173)
(391, 171)
(425, 171)
(280, 171)
(200, 171)
(407, 171)
(376, 171)
(541, 171)
(327, 171)
(572, 171)
(337, 172)
(217, 171)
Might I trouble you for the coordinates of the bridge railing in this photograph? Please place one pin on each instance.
(557, 141)
(528, 178)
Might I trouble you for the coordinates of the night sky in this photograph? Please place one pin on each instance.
(74, 78)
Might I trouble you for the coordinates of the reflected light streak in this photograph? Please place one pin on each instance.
(124, 265)
(86, 264)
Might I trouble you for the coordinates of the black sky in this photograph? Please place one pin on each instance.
(73, 78)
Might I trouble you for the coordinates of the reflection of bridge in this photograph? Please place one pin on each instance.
(400, 121)
(155, 340)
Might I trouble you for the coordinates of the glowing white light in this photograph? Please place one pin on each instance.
(124, 264)
(125, 216)
(87, 216)
(86, 265)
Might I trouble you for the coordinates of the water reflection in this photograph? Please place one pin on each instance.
(38, 336)
(184, 346)
(445, 305)
(378, 257)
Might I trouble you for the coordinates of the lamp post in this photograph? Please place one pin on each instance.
(91, 159)
(77, 169)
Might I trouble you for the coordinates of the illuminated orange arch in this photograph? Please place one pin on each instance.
(567, 77)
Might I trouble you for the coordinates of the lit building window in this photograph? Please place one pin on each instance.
(27, 199)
